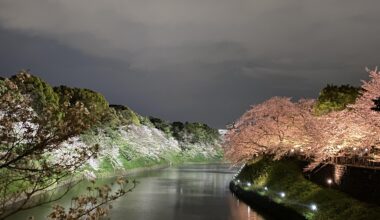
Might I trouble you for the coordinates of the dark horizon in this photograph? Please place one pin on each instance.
(192, 61)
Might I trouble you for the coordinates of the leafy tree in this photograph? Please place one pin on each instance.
(178, 130)
(125, 115)
(335, 98)
(41, 94)
(200, 132)
(187, 132)
(162, 125)
(96, 103)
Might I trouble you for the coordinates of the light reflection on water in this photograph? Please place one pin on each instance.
(240, 210)
(188, 192)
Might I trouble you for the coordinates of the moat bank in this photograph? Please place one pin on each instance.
(284, 183)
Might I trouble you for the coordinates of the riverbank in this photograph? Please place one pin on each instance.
(282, 182)
(264, 204)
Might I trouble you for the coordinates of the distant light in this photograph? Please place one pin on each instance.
(282, 194)
(329, 181)
(313, 207)
(248, 184)
(266, 188)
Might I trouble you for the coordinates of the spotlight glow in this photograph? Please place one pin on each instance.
(329, 181)
(313, 207)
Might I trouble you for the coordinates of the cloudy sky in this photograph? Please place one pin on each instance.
(191, 60)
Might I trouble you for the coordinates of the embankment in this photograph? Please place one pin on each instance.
(283, 183)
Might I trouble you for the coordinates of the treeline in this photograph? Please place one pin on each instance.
(186, 132)
(104, 114)
(49, 135)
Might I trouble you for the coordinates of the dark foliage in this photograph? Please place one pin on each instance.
(335, 98)
(187, 132)
(377, 105)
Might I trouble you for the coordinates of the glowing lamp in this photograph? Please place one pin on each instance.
(313, 207)
(329, 181)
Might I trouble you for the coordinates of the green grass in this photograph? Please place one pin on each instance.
(286, 176)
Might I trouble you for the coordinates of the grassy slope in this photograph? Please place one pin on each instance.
(286, 176)
(142, 162)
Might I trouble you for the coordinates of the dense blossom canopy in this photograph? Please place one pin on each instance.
(279, 127)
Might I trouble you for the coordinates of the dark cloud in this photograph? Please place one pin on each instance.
(196, 60)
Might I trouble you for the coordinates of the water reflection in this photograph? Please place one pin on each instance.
(240, 210)
(187, 192)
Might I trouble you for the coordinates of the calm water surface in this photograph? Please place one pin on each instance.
(188, 192)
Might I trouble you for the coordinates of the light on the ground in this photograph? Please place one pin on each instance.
(329, 181)
(313, 207)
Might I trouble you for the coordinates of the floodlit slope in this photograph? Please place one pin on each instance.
(125, 139)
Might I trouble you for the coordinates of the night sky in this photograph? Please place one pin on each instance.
(192, 60)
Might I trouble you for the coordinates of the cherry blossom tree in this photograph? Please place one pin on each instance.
(341, 134)
(279, 127)
(276, 127)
